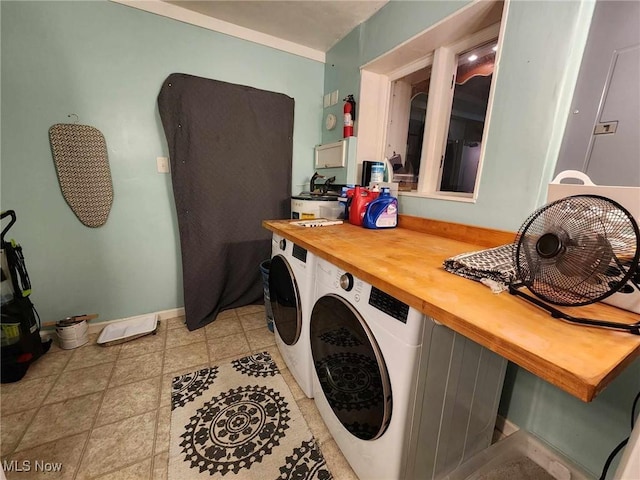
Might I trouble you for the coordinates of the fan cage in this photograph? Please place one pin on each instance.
(598, 250)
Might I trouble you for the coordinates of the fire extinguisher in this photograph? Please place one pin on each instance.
(349, 115)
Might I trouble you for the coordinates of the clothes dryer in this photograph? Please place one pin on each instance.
(403, 396)
(291, 288)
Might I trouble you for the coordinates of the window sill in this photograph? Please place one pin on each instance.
(440, 196)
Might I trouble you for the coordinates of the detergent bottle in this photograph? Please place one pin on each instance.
(345, 200)
(381, 212)
(360, 198)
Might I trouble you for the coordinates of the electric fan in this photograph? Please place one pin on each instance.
(576, 251)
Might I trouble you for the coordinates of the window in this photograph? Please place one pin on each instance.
(437, 104)
(468, 81)
(474, 72)
(409, 96)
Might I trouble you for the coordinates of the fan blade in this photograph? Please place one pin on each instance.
(577, 250)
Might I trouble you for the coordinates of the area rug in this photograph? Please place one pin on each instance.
(239, 420)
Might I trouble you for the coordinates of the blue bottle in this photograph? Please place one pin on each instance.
(382, 212)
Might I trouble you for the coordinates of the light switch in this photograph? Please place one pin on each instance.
(162, 164)
(334, 97)
(326, 100)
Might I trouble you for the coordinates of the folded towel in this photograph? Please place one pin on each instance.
(493, 267)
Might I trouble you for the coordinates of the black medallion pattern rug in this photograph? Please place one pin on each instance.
(238, 421)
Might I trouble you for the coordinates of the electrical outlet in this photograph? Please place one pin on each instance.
(162, 164)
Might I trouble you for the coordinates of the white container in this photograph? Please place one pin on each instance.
(73, 336)
(127, 330)
(518, 448)
(331, 211)
(308, 208)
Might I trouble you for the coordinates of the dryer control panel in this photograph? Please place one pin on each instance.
(389, 305)
(300, 253)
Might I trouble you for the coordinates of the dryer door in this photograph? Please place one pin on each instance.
(285, 300)
(350, 368)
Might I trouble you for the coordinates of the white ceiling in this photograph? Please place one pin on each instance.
(316, 24)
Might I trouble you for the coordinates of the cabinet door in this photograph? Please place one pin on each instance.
(331, 155)
(601, 136)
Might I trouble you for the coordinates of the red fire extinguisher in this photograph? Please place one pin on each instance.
(349, 116)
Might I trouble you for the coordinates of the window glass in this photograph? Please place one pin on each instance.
(407, 125)
(417, 117)
(466, 124)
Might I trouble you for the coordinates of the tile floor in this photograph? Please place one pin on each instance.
(104, 412)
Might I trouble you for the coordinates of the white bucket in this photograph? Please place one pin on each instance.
(73, 336)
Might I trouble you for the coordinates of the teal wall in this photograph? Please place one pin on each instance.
(541, 55)
(106, 62)
(585, 432)
(540, 58)
(395, 23)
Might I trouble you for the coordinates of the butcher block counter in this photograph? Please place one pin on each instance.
(406, 262)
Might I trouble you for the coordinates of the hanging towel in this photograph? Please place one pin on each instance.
(493, 267)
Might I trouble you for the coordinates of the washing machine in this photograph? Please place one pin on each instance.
(291, 289)
(403, 396)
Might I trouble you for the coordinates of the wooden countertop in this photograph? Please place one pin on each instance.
(406, 262)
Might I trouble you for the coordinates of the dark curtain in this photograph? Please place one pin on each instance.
(230, 148)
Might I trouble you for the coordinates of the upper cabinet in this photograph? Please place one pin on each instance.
(338, 159)
(331, 155)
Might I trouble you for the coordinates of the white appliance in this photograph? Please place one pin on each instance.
(628, 298)
(308, 207)
(291, 287)
(403, 396)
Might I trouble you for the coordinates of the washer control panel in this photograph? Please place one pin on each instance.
(348, 283)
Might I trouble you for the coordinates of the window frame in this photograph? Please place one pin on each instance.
(376, 111)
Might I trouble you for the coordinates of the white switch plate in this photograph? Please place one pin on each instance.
(326, 100)
(162, 164)
(334, 97)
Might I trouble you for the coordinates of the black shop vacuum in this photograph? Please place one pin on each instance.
(20, 343)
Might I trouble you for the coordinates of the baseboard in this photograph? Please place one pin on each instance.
(505, 427)
(98, 326)
(162, 315)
